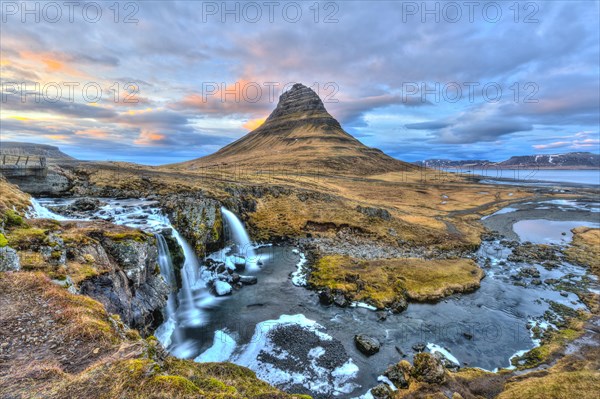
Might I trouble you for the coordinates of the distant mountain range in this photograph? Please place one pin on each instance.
(18, 148)
(571, 160)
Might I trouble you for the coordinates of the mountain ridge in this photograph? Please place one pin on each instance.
(22, 148)
(300, 134)
(570, 160)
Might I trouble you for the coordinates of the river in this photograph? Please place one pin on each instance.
(280, 330)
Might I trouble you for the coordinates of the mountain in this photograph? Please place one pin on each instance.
(298, 135)
(18, 148)
(448, 163)
(571, 160)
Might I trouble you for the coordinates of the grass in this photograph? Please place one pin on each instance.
(585, 248)
(383, 282)
(564, 385)
(11, 198)
(127, 366)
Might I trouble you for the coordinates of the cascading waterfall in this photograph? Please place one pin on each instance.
(37, 210)
(240, 237)
(168, 333)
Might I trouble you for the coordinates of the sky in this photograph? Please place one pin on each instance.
(162, 82)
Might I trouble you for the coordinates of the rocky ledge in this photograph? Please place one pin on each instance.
(115, 265)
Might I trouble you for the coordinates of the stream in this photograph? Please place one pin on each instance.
(277, 327)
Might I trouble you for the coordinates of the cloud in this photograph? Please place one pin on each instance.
(369, 55)
(430, 125)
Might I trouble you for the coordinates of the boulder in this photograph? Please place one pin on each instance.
(366, 344)
(248, 280)
(395, 373)
(428, 368)
(340, 300)
(420, 347)
(9, 260)
(326, 297)
(222, 288)
(381, 391)
(85, 205)
(399, 305)
(374, 212)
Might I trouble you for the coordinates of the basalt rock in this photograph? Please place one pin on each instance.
(428, 368)
(198, 219)
(130, 283)
(9, 260)
(366, 344)
(381, 391)
(395, 373)
(374, 212)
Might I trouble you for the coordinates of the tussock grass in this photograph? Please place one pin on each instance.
(382, 282)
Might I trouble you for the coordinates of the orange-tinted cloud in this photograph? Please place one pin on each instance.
(54, 62)
(147, 137)
(92, 133)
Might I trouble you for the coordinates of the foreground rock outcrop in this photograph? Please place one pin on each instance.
(116, 265)
(58, 345)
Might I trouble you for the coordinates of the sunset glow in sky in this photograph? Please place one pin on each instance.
(162, 82)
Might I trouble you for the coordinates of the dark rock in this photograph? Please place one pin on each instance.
(374, 212)
(340, 300)
(85, 205)
(326, 297)
(132, 287)
(468, 336)
(395, 373)
(366, 344)
(382, 391)
(536, 281)
(399, 305)
(530, 271)
(428, 368)
(447, 363)
(420, 347)
(235, 277)
(248, 280)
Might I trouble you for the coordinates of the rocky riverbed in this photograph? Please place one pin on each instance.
(302, 344)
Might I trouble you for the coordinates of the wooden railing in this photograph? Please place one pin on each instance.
(22, 165)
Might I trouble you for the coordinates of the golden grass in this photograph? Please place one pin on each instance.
(12, 198)
(585, 248)
(384, 281)
(563, 385)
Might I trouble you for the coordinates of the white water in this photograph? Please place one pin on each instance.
(167, 333)
(37, 210)
(240, 237)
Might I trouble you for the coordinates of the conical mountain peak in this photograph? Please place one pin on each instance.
(298, 106)
(301, 134)
(299, 99)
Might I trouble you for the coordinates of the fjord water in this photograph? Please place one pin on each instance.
(533, 176)
(482, 329)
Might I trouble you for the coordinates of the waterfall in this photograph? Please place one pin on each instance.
(168, 332)
(239, 236)
(37, 210)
